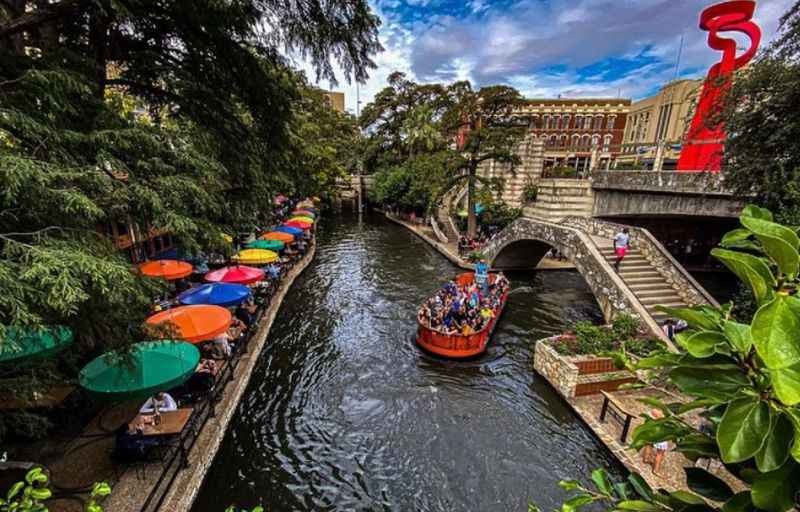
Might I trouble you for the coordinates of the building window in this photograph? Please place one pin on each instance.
(565, 121)
(546, 121)
(562, 143)
(607, 143)
(612, 120)
(554, 120)
(578, 122)
(598, 122)
(664, 115)
(576, 141)
(552, 141)
(585, 142)
(595, 141)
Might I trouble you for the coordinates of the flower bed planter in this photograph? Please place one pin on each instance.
(574, 376)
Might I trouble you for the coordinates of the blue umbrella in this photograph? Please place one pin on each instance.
(296, 232)
(215, 294)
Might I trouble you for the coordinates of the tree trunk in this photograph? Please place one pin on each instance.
(99, 40)
(472, 221)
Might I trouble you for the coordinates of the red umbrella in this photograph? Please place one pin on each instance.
(297, 224)
(167, 269)
(239, 274)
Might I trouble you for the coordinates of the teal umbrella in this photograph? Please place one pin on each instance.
(23, 343)
(149, 368)
(269, 245)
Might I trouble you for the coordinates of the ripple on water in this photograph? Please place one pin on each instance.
(345, 413)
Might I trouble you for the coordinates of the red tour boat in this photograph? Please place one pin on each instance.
(459, 346)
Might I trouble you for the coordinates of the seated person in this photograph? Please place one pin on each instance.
(220, 348)
(246, 312)
(162, 402)
(204, 378)
(235, 330)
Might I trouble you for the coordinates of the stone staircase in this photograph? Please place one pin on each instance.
(561, 198)
(644, 280)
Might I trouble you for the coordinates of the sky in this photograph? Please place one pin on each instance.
(546, 48)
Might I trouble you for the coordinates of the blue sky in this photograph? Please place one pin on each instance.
(576, 48)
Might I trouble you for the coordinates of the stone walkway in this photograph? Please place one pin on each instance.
(671, 475)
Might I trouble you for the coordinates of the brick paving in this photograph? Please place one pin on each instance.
(671, 475)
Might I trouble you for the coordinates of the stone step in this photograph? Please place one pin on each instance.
(654, 290)
(661, 299)
(651, 308)
(630, 276)
(634, 282)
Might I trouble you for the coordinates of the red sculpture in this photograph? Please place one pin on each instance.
(703, 148)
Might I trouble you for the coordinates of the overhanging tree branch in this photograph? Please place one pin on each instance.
(40, 16)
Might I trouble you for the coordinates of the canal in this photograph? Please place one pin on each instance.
(344, 413)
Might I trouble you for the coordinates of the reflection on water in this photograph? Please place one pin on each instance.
(345, 413)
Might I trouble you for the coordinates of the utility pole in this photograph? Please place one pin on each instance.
(678, 61)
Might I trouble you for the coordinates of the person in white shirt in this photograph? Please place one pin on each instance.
(622, 241)
(162, 402)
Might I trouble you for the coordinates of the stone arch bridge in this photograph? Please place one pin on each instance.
(648, 276)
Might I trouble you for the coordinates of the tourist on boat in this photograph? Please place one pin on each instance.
(482, 275)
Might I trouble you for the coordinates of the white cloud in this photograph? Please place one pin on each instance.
(537, 46)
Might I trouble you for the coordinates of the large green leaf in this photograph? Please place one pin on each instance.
(576, 502)
(774, 491)
(775, 451)
(602, 482)
(707, 485)
(720, 385)
(701, 344)
(743, 429)
(638, 506)
(794, 416)
(696, 446)
(786, 382)
(756, 212)
(739, 336)
(739, 239)
(750, 270)
(654, 431)
(775, 331)
(698, 317)
(779, 242)
(742, 502)
(640, 486)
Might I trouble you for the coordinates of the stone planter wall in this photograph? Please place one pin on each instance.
(575, 376)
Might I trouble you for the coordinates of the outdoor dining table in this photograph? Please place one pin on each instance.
(172, 423)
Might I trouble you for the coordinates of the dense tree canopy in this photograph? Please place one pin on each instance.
(175, 115)
(761, 155)
(425, 138)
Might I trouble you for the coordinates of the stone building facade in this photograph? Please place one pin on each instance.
(662, 118)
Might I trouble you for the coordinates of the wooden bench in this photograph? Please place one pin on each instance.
(612, 407)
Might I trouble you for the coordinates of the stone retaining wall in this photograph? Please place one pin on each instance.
(574, 376)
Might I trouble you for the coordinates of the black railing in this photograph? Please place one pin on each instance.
(177, 454)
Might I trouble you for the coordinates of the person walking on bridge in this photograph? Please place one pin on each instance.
(622, 241)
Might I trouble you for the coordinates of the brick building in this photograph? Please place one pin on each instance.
(571, 128)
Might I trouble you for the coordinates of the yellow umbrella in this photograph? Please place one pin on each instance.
(302, 218)
(255, 257)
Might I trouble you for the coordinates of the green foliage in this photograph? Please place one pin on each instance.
(497, 213)
(530, 192)
(618, 340)
(153, 116)
(760, 156)
(743, 376)
(234, 509)
(412, 129)
(31, 494)
(561, 171)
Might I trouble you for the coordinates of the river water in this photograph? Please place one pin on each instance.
(345, 413)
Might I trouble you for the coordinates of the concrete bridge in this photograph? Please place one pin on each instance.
(648, 276)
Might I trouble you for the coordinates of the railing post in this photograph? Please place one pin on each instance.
(604, 410)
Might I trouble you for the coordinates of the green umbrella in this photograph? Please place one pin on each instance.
(149, 368)
(269, 245)
(21, 343)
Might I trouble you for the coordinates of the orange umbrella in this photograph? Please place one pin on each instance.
(166, 269)
(194, 324)
(277, 235)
